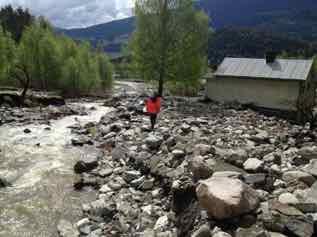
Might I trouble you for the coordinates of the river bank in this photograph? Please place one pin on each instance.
(207, 170)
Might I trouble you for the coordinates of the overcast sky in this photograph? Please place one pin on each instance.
(76, 13)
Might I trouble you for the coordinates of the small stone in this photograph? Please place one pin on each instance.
(27, 131)
(66, 229)
(105, 172)
(129, 176)
(153, 142)
(105, 189)
(228, 174)
(147, 184)
(84, 226)
(178, 154)
(86, 164)
(253, 164)
(161, 223)
(202, 149)
(288, 198)
(203, 231)
(201, 169)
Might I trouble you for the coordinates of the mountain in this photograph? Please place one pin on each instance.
(296, 19)
(227, 13)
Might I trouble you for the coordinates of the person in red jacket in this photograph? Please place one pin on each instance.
(153, 108)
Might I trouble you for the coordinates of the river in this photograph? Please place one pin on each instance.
(40, 165)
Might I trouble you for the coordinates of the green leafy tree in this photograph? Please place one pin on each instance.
(167, 31)
(105, 70)
(46, 61)
(7, 55)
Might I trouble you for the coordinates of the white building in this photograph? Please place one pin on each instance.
(268, 83)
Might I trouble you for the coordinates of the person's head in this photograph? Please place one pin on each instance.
(154, 96)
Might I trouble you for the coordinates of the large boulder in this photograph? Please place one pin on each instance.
(312, 168)
(225, 198)
(296, 175)
(308, 152)
(87, 162)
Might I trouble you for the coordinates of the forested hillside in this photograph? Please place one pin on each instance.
(248, 42)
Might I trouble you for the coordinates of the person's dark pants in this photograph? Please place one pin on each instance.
(153, 120)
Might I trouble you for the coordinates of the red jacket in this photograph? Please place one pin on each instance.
(153, 107)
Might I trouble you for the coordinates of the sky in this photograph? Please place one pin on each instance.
(76, 13)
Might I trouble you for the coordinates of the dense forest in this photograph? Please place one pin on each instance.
(33, 55)
(248, 42)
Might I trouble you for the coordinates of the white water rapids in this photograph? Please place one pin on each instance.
(40, 167)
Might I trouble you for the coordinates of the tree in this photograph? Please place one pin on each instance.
(7, 54)
(44, 60)
(166, 32)
(15, 21)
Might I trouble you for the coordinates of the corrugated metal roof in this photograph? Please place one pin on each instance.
(288, 69)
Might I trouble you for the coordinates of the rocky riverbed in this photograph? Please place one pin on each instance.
(207, 170)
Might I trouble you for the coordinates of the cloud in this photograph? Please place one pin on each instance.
(76, 13)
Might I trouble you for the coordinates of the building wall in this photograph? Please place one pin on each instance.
(275, 94)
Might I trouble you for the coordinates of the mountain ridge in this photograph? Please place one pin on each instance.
(292, 18)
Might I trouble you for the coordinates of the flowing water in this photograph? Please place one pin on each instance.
(40, 166)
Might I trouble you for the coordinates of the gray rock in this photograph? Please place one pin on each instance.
(129, 176)
(275, 234)
(88, 162)
(96, 233)
(252, 232)
(278, 217)
(147, 184)
(101, 208)
(84, 226)
(308, 152)
(228, 174)
(202, 149)
(203, 231)
(261, 137)
(118, 153)
(312, 168)
(200, 168)
(105, 172)
(288, 198)
(178, 154)
(222, 203)
(66, 229)
(253, 164)
(291, 176)
(81, 141)
(161, 223)
(153, 142)
(221, 234)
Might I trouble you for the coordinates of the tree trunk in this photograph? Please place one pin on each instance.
(26, 85)
(161, 86)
